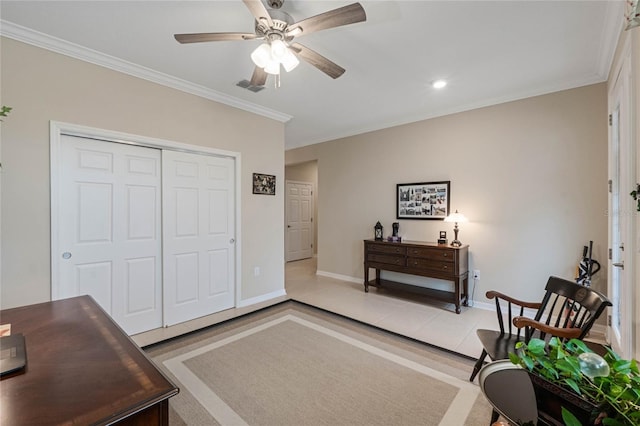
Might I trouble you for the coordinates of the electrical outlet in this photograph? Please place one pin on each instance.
(476, 274)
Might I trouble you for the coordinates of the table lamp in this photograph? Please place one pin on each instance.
(456, 217)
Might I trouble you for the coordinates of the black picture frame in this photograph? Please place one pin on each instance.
(264, 184)
(423, 200)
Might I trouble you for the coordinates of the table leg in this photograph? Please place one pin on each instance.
(466, 290)
(366, 278)
(457, 294)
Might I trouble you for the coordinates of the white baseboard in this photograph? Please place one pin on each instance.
(339, 277)
(261, 298)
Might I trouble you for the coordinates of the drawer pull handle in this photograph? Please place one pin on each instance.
(445, 254)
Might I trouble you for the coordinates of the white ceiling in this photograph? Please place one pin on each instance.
(489, 51)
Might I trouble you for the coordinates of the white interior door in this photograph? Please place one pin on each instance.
(109, 229)
(299, 218)
(621, 172)
(198, 235)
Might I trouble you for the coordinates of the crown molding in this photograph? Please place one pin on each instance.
(63, 47)
(613, 27)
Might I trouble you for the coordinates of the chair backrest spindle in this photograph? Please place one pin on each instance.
(572, 306)
(500, 320)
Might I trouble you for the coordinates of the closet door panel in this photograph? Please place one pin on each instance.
(198, 235)
(109, 236)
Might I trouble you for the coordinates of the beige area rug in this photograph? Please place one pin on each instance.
(296, 365)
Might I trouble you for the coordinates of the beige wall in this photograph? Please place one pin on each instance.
(307, 172)
(41, 86)
(530, 175)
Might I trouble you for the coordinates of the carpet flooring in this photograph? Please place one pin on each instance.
(292, 364)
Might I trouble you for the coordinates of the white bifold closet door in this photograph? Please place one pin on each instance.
(148, 233)
(109, 233)
(198, 235)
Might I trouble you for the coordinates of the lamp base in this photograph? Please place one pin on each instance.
(456, 242)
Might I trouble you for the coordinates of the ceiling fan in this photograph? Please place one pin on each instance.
(278, 29)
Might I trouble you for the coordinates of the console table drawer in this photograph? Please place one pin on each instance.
(386, 259)
(432, 265)
(386, 248)
(432, 253)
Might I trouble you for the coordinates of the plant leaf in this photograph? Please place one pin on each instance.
(573, 385)
(528, 362)
(622, 366)
(569, 419)
(536, 346)
(579, 344)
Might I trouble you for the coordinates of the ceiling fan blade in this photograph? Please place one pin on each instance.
(334, 18)
(259, 77)
(332, 69)
(200, 37)
(257, 9)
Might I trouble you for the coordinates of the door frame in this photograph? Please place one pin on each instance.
(621, 69)
(57, 129)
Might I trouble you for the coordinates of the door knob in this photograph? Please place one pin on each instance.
(66, 255)
(231, 241)
(619, 265)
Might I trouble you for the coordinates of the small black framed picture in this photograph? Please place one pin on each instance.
(424, 200)
(264, 184)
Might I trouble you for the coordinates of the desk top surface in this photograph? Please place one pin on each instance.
(81, 367)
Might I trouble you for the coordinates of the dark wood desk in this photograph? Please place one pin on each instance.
(424, 259)
(81, 369)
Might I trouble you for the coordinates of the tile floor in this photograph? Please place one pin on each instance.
(428, 321)
(418, 318)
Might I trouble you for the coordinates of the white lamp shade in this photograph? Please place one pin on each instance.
(262, 55)
(272, 67)
(278, 49)
(289, 61)
(456, 217)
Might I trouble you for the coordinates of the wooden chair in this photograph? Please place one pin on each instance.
(567, 311)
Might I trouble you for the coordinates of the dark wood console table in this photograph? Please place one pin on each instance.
(81, 369)
(424, 259)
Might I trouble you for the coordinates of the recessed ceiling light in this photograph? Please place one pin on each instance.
(439, 84)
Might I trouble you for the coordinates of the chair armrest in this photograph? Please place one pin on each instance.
(565, 333)
(494, 294)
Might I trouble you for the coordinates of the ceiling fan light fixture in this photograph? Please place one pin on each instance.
(289, 61)
(273, 67)
(262, 55)
(278, 50)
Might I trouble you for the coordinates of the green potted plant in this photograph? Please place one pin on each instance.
(4, 111)
(582, 386)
